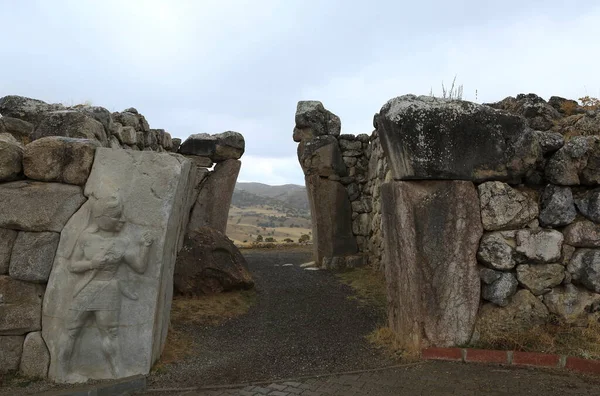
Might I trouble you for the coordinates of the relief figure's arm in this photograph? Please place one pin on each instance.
(77, 262)
(138, 258)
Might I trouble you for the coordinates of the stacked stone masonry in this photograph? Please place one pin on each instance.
(66, 174)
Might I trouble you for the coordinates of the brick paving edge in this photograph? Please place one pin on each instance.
(295, 379)
(513, 358)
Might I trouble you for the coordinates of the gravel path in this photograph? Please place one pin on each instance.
(303, 323)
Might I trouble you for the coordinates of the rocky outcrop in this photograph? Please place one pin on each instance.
(209, 263)
(431, 234)
(538, 113)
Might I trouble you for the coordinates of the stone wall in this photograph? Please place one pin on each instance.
(69, 174)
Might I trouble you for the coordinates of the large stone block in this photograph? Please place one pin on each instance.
(19, 129)
(11, 349)
(59, 159)
(430, 138)
(106, 308)
(431, 234)
(331, 218)
(7, 240)
(36, 358)
(33, 255)
(312, 120)
(27, 109)
(321, 156)
(577, 162)
(20, 306)
(219, 147)
(38, 206)
(583, 234)
(71, 123)
(11, 157)
(212, 205)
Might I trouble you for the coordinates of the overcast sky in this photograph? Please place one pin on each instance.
(215, 65)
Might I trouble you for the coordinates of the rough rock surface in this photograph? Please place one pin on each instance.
(117, 253)
(32, 256)
(583, 234)
(431, 235)
(7, 240)
(429, 138)
(37, 206)
(571, 304)
(27, 109)
(540, 278)
(497, 250)
(500, 289)
(60, 159)
(11, 349)
(584, 268)
(73, 124)
(19, 129)
(209, 263)
(200, 144)
(503, 207)
(589, 205)
(557, 207)
(331, 212)
(321, 156)
(125, 134)
(11, 157)
(577, 162)
(230, 145)
(212, 205)
(312, 120)
(540, 115)
(36, 358)
(20, 306)
(522, 312)
(540, 246)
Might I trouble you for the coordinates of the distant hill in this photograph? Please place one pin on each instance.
(288, 196)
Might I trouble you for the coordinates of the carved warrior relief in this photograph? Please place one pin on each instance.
(97, 256)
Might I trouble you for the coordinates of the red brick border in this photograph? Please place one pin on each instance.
(514, 358)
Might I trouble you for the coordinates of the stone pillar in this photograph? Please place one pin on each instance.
(431, 235)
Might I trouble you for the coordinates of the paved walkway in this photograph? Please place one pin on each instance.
(427, 379)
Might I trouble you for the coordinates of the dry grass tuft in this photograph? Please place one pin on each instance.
(369, 285)
(556, 337)
(384, 338)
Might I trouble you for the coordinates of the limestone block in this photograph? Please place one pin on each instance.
(106, 308)
(59, 159)
(20, 306)
(33, 255)
(38, 206)
(7, 240)
(503, 207)
(431, 235)
(11, 157)
(11, 349)
(212, 205)
(36, 358)
(332, 218)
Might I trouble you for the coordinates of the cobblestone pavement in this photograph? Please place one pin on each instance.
(428, 379)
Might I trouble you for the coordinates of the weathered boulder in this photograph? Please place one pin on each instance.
(100, 114)
(583, 234)
(503, 207)
(431, 233)
(550, 141)
(230, 145)
(70, 123)
(125, 134)
(19, 129)
(321, 156)
(11, 349)
(571, 304)
(114, 143)
(200, 162)
(59, 159)
(497, 250)
(209, 263)
(577, 162)
(539, 114)
(565, 106)
(36, 358)
(540, 246)
(332, 218)
(176, 144)
(540, 278)
(37, 206)
(32, 256)
(114, 268)
(27, 109)
(7, 240)
(589, 204)
(200, 144)
(523, 311)
(499, 289)
(312, 120)
(584, 268)
(212, 205)
(20, 306)
(11, 157)
(128, 119)
(582, 123)
(557, 206)
(429, 138)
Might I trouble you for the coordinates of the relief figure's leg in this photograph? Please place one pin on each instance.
(108, 324)
(73, 326)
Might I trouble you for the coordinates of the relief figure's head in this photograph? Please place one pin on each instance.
(108, 213)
